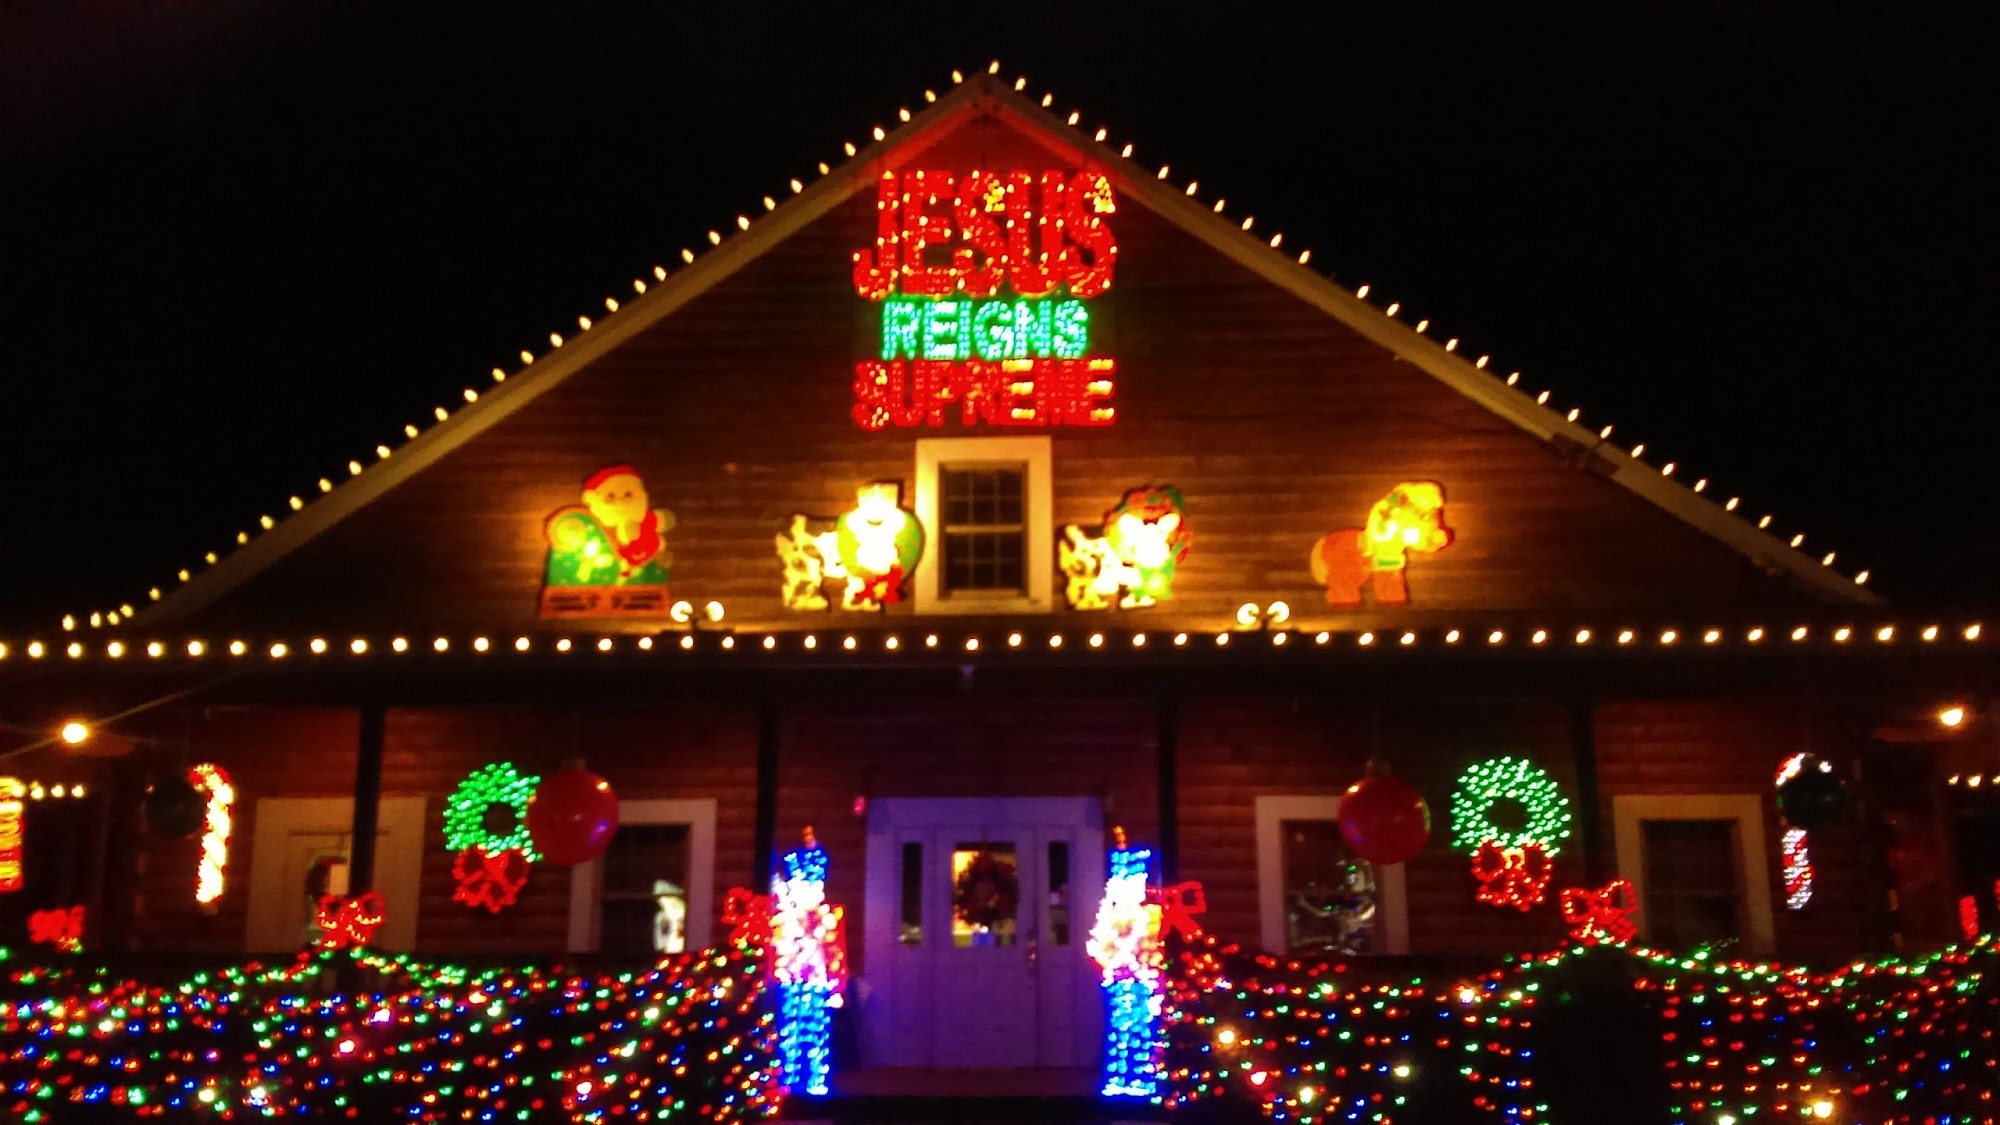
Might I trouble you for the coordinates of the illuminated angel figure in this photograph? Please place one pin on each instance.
(809, 962)
(1125, 943)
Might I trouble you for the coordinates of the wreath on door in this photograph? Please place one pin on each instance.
(987, 891)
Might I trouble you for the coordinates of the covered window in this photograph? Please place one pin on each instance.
(1329, 892)
(652, 891)
(1699, 867)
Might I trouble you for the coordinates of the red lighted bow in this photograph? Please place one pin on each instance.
(885, 588)
(748, 916)
(349, 921)
(60, 928)
(1178, 906)
(1605, 913)
(489, 879)
(1516, 877)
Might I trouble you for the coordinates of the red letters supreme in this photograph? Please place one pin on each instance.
(939, 233)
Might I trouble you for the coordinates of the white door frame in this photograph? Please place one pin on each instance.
(1392, 903)
(399, 865)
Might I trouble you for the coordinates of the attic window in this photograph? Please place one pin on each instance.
(985, 503)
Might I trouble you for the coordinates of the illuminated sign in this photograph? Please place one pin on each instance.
(984, 282)
(13, 828)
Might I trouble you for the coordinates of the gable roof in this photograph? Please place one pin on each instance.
(976, 96)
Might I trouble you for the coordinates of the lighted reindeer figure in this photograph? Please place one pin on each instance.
(1133, 559)
(1410, 518)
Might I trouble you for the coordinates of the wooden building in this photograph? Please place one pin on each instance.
(974, 495)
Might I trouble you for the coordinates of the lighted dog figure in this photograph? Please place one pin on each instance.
(1410, 518)
(872, 550)
(1133, 560)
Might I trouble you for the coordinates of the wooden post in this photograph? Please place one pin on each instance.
(767, 795)
(1589, 813)
(367, 799)
(1166, 745)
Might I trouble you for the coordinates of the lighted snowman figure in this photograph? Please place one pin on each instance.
(809, 960)
(670, 917)
(878, 544)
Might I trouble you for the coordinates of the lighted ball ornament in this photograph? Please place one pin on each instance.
(1512, 863)
(572, 817)
(1383, 820)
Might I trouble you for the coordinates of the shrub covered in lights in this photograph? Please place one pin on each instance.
(689, 1040)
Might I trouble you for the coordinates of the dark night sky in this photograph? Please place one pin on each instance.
(244, 242)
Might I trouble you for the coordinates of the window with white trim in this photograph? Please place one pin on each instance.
(984, 504)
(652, 891)
(1313, 895)
(1699, 868)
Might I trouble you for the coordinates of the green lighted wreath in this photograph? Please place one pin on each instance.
(489, 793)
(1484, 784)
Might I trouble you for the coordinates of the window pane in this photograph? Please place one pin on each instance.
(985, 894)
(984, 560)
(983, 509)
(1694, 890)
(1058, 885)
(912, 895)
(1329, 892)
(643, 904)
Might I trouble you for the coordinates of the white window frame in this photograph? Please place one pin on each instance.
(586, 881)
(1629, 813)
(1038, 552)
(1392, 903)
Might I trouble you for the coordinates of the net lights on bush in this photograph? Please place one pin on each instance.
(486, 825)
(809, 965)
(218, 809)
(946, 247)
(1126, 944)
(1512, 864)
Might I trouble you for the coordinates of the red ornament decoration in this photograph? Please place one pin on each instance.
(60, 928)
(1604, 914)
(489, 879)
(572, 817)
(1384, 820)
(1516, 877)
(349, 921)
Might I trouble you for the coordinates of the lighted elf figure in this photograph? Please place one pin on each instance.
(809, 962)
(1125, 943)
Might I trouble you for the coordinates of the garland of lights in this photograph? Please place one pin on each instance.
(465, 810)
(212, 782)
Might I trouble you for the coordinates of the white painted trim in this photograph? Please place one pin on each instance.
(586, 880)
(1039, 556)
(1629, 811)
(1392, 900)
(399, 863)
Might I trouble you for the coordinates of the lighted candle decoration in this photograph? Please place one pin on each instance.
(212, 782)
(809, 963)
(1125, 943)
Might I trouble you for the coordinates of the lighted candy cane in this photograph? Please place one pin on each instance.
(1798, 861)
(212, 781)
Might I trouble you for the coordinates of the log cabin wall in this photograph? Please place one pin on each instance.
(1231, 750)
(1279, 424)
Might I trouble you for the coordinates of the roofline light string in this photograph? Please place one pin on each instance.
(298, 502)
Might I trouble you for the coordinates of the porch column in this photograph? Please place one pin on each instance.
(1589, 813)
(367, 799)
(767, 794)
(1166, 745)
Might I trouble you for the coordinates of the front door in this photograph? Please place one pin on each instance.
(973, 950)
